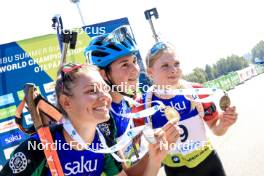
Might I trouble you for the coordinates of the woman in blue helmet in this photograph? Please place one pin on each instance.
(115, 55)
(118, 66)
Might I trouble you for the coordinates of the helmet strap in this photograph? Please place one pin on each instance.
(111, 84)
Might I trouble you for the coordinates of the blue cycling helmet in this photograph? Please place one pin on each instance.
(105, 49)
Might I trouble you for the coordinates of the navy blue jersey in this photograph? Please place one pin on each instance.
(121, 123)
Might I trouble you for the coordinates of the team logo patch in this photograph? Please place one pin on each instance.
(175, 159)
(104, 128)
(18, 162)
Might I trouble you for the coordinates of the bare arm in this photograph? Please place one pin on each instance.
(139, 167)
(220, 125)
(150, 164)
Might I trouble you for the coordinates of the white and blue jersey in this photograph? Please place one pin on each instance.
(184, 107)
(189, 150)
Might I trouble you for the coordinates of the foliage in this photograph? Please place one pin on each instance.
(222, 67)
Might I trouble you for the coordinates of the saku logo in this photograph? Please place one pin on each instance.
(81, 166)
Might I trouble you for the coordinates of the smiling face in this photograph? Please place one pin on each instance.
(124, 71)
(88, 101)
(166, 69)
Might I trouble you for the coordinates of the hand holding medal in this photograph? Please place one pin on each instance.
(225, 102)
(171, 128)
(229, 116)
(171, 113)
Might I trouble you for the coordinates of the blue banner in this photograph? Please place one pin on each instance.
(36, 60)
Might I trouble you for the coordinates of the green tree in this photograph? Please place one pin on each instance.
(236, 63)
(198, 75)
(209, 72)
(222, 67)
(258, 51)
(231, 63)
(215, 71)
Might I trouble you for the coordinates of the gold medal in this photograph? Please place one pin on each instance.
(171, 113)
(225, 102)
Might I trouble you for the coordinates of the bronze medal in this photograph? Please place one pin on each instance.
(225, 102)
(171, 113)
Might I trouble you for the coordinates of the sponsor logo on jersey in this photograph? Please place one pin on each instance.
(175, 159)
(104, 128)
(82, 166)
(179, 106)
(18, 162)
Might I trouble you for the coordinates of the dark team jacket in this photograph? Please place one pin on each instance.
(24, 162)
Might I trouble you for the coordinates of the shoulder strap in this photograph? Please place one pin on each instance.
(148, 104)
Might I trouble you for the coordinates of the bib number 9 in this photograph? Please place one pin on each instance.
(183, 133)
